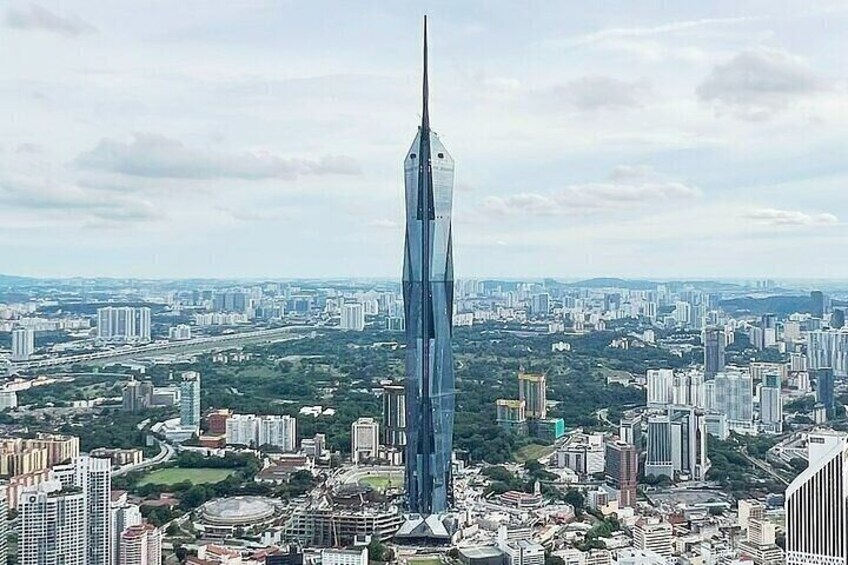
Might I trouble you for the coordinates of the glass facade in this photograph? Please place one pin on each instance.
(428, 306)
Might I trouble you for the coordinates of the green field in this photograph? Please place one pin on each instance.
(533, 451)
(174, 475)
(382, 482)
(424, 561)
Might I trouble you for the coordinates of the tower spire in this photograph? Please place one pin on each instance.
(425, 114)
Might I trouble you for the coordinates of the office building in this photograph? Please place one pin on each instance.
(364, 440)
(660, 387)
(532, 389)
(771, 405)
(123, 516)
(190, 400)
(511, 415)
(714, 357)
(824, 390)
(630, 430)
(688, 442)
(394, 416)
(816, 505)
(52, 526)
(622, 469)
(123, 324)
(652, 534)
(658, 459)
(352, 317)
(768, 325)
(734, 396)
(818, 304)
(428, 303)
(93, 477)
(141, 545)
(23, 344)
(547, 429)
(584, 454)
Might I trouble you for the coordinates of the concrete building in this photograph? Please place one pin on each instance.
(141, 545)
(344, 556)
(123, 515)
(622, 469)
(190, 400)
(532, 389)
(511, 415)
(771, 404)
(23, 344)
(93, 476)
(123, 324)
(52, 526)
(714, 356)
(352, 317)
(817, 505)
(394, 416)
(652, 534)
(365, 440)
(660, 387)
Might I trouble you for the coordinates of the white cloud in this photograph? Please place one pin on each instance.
(156, 156)
(600, 92)
(627, 187)
(38, 17)
(758, 83)
(775, 217)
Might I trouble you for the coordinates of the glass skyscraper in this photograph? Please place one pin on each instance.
(428, 304)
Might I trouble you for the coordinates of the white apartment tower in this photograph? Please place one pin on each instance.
(93, 476)
(352, 317)
(52, 526)
(660, 384)
(141, 545)
(123, 324)
(23, 344)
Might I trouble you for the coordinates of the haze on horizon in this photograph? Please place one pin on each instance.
(266, 139)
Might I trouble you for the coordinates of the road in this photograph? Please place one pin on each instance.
(765, 467)
(166, 453)
(193, 345)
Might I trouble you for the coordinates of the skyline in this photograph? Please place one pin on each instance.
(278, 156)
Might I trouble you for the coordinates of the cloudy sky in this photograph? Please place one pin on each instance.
(265, 138)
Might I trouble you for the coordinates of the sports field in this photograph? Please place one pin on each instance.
(383, 481)
(175, 475)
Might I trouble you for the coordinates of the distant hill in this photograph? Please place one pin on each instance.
(780, 305)
(611, 282)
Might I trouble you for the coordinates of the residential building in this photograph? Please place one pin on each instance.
(660, 387)
(511, 415)
(123, 515)
(771, 404)
(394, 415)
(123, 324)
(190, 400)
(344, 556)
(532, 389)
(141, 545)
(352, 317)
(93, 476)
(23, 344)
(52, 526)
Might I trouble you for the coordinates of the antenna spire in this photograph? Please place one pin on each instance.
(425, 114)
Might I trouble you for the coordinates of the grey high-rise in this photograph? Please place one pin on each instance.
(714, 342)
(428, 306)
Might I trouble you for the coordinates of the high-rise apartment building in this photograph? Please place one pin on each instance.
(93, 476)
(771, 404)
(123, 516)
(817, 505)
(190, 400)
(364, 439)
(828, 349)
(352, 317)
(428, 303)
(23, 344)
(714, 357)
(394, 415)
(257, 431)
(141, 545)
(52, 526)
(622, 469)
(734, 396)
(660, 387)
(511, 415)
(532, 389)
(123, 324)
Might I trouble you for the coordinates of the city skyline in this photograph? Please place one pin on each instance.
(163, 167)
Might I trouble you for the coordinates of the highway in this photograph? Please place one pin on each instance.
(166, 453)
(193, 345)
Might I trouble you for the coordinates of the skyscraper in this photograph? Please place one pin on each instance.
(52, 526)
(141, 545)
(23, 344)
(817, 304)
(622, 468)
(824, 390)
(190, 400)
(713, 352)
(394, 416)
(93, 476)
(817, 505)
(428, 304)
(532, 390)
(352, 317)
(771, 405)
(364, 440)
(123, 324)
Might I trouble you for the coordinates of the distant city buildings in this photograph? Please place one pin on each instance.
(714, 356)
(262, 431)
(352, 317)
(190, 400)
(23, 344)
(123, 324)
